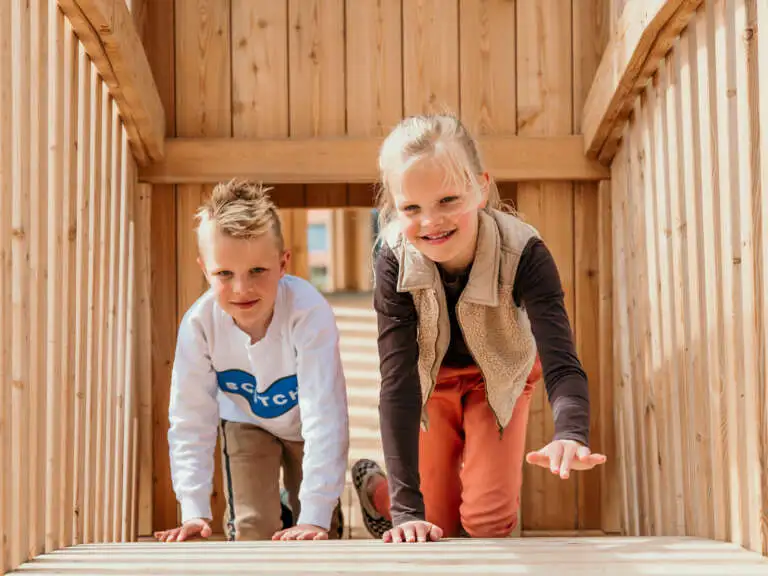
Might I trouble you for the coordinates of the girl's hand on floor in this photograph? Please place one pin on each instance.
(415, 531)
(562, 456)
(190, 529)
(302, 532)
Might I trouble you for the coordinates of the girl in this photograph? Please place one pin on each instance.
(479, 293)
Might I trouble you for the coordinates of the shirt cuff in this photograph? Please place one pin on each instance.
(195, 506)
(317, 512)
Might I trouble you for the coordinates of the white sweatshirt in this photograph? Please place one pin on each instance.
(290, 383)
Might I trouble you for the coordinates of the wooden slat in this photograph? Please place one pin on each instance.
(666, 162)
(625, 403)
(67, 441)
(54, 473)
(159, 40)
(644, 33)
(534, 556)
(487, 47)
(96, 454)
(120, 184)
(761, 260)
(107, 30)
(6, 285)
(699, 298)
(203, 108)
(80, 226)
(20, 252)
(590, 35)
(741, 18)
(144, 447)
(528, 157)
(38, 179)
(544, 109)
(316, 82)
(430, 56)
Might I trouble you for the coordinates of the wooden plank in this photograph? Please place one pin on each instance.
(316, 82)
(726, 282)
(670, 278)
(746, 139)
(20, 253)
(144, 447)
(159, 40)
(625, 402)
(38, 154)
(544, 109)
(6, 284)
(55, 194)
(699, 297)
(590, 35)
(67, 441)
(761, 266)
(487, 47)
(374, 92)
(95, 452)
(80, 226)
(107, 30)
(121, 383)
(644, 34)
(524, 158)
(203, 36)
(662, 353)
(430, 57)
(535, 556)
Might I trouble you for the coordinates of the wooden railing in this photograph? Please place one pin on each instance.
(679, 108)
(74, 227)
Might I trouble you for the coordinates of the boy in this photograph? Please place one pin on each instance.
(258, 359)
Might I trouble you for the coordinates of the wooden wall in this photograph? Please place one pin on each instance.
(690, 251)
(72, 224)
(303, 68)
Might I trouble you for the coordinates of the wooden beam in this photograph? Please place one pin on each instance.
(108, 33)
(644, 34)
(353, 160)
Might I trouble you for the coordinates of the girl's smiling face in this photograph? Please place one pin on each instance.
(439, 214)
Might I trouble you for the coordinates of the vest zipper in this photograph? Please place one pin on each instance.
(485, 380)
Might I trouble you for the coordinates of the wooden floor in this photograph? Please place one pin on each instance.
(530, 556)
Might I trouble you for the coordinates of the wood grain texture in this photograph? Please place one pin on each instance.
(487, 53)
(544, 104)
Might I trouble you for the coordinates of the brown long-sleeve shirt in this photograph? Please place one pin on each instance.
(538, 289)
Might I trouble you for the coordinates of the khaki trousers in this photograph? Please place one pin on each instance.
(251, 461)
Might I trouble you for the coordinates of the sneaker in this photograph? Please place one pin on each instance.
(362, 473)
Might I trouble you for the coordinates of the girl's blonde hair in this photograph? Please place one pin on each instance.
(439, 137)
(241, 209)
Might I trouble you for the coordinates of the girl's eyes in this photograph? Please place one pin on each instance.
(258, 270)
(449, 199)
(224, 274)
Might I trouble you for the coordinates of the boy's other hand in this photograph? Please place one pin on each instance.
(190, 529)
(562, 456)
(302, 532)
(414, 531)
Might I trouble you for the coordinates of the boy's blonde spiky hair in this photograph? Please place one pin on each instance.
(241, 209)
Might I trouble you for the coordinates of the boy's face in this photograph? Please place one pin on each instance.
(244, 275)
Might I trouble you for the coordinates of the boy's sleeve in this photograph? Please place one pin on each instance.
(193, 415)
(324, 415)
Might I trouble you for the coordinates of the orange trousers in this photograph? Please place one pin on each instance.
(470, 474)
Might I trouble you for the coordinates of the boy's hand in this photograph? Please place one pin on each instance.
(562, 456)
(415, 531)
(302, 532)
(190, 529)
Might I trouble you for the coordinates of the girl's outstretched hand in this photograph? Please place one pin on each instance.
(562, 456)
(415, 531)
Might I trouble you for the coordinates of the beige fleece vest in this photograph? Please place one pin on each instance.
(496, 331)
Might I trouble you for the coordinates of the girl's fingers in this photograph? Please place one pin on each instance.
(387, 536)
(435, 533)
(555, 457)
(321, 536)
(397, 535)
(569, 451)
(538, 458)
(409, 534)
(422, 532)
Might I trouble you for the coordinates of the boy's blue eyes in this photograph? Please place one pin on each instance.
(228, 274)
